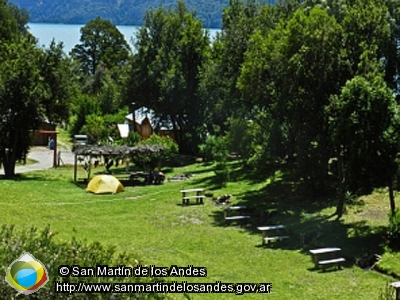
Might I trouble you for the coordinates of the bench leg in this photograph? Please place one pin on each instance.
(199, 199)
(316, 261)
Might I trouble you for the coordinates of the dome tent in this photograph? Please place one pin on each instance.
(104, 184)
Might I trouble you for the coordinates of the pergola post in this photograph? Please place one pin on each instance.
(75, 166)
(90, 166)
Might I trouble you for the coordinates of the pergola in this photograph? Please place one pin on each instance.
(111, 152)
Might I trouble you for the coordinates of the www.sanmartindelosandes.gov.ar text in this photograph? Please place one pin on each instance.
(162, 287)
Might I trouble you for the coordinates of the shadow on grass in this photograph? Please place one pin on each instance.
(330, 269)
(81, 184)
(193, 204)
(26, 177)
(306, 219)
(235, 172)
(180, 160)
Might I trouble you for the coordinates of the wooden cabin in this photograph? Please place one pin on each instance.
(42, 136)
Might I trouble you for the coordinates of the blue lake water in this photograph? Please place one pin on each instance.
(70, 34)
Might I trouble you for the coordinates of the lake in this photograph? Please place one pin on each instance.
(70, 34)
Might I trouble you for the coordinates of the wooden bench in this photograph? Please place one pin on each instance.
(199, 197)
(234, 218)
(396, 286)
(270, 228)
(333, 251)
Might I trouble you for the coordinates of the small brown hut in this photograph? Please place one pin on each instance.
(42, 136)
(144, 128)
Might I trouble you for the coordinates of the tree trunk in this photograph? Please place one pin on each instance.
(341, 188)
(340, 206)
(177, 132)
(391, 197)
(9, 164)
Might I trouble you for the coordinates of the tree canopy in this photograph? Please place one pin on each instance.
(34, 86)
(326, 64)
(164, 73)
(21, 93)
(100, 42)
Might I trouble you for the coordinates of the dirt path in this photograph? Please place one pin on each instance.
(44, 158)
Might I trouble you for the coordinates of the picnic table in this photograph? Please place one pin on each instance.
(234, 208)
(275, 228)
(332, 251)
(199, 195)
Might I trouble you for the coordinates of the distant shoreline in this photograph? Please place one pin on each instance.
(118, 25)
(61, 23)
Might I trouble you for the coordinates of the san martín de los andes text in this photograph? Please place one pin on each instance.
(138, 271)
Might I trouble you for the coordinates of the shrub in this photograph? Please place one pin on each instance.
(153, 159)
(222, 173)
(133, 139)
(84, 106)
(394, 228)
(215, 148)
(170, 146)
(238, 137)
(95, 128)
(42, 246)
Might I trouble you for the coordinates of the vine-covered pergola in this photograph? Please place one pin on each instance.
(110, 153)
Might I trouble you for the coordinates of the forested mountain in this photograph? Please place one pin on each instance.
(121, 12)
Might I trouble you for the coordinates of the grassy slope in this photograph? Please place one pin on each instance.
(150, 221)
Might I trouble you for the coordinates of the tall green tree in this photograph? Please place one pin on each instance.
(366, 25)
(365, 128)
(22, 92)
(170, 49)
(21, 16)
(34, 85)
(100, 42)
(13, 21)
(291, 73)
(220, 74)
(59, 81)
(84, 105)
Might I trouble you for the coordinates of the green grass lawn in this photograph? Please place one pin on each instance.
(151, 222)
